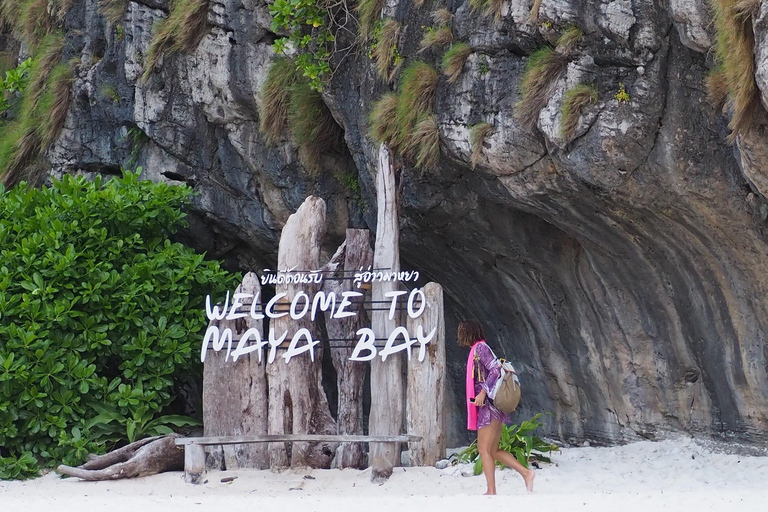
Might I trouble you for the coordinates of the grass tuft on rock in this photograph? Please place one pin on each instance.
(574, 101)
(424, 143)
(181, 31)
(435, 37)
(441, 16)
(42, 113)
(454, 60)
(490, 8)
(275, 104)
(544, 67)
(735, 44)
(290, 105)
(382, 120)
(569, 39)
(416, 98)
(477, 136)
(717, 88)
(385, 53)
(33, 20)
(113, 10)
(369, 12)
(405, 122)
(313, 128)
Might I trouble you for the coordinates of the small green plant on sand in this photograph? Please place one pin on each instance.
(520, 441)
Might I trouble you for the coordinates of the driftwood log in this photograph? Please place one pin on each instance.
(386, 417)
(425, 396)
(353, 254)
(143, 458)
(297, 401)
(234, 394)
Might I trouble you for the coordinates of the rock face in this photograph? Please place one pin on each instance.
(624, 270)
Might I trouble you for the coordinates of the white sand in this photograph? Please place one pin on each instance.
(669, 475)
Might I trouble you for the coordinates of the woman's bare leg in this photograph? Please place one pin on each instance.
(487, 444)
(510, 461)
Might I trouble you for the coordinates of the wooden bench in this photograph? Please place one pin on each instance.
(194, 447)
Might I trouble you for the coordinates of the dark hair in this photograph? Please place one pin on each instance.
(469, 333)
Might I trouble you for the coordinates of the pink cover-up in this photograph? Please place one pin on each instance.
(481, 361)
(471, 408)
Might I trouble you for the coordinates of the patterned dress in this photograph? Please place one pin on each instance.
(485, 376)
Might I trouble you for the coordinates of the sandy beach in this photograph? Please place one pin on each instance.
(666, 475)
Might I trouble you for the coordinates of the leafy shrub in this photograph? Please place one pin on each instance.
(100, 315)
(308, 23)
(517, 440)
(14, 83)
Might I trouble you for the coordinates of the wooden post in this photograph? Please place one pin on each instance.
(234, 394)
(352, 255)
(297, 402)
(425, 405)
(386, 416)
(194, 464)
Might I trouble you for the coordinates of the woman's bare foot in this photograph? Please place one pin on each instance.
(529, 480)
(489, 493)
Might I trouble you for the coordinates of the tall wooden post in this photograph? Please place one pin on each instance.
(297, 402)
(234, 394)
(386, 416)
(425, 405)
(355, 253)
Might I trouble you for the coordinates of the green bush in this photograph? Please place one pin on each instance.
(100, 316)
(517, 440)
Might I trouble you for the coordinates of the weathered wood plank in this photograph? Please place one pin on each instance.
(386, 417)
(233, 394)
(297, 402)
(354, 253)
(194, 464)
(425, 403)
(311, 438)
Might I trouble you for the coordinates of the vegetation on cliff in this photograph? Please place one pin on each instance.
(290, 103)
(182, 30)
(574, 101)
(735, 45)
(406, 121)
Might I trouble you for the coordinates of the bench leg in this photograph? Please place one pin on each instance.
(194, 463)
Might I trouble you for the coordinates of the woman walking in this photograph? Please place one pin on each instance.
(482, 374)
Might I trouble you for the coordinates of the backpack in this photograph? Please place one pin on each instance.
(506, 393)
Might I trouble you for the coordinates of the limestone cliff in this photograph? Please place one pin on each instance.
(621, 263)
